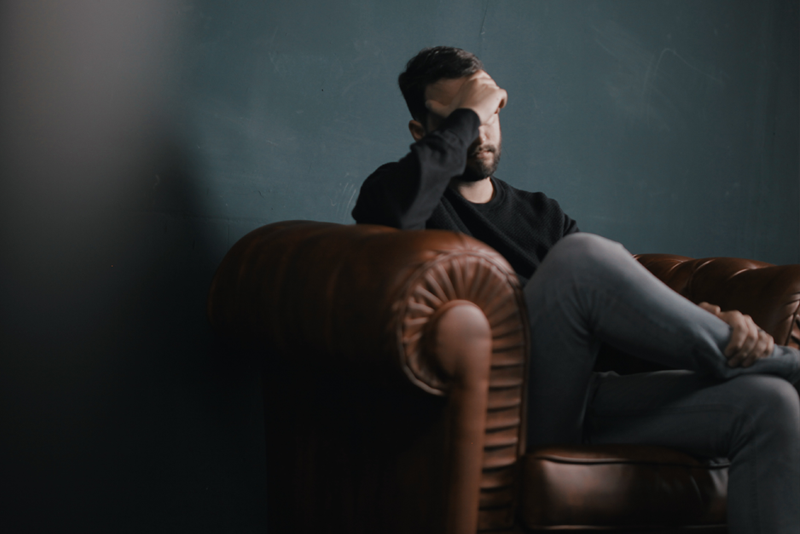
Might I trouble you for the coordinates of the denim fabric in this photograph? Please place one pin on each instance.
(590, 290)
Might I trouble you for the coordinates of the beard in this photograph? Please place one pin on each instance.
(480, 168)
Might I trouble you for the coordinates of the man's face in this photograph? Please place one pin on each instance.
(483, 155)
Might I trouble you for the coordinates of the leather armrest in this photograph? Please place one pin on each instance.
(360, 295)
(436, 309)
(770, 294)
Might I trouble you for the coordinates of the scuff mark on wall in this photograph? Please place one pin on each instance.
(344, 200)
(647, 86)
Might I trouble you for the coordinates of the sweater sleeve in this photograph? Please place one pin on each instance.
(404, 194)
(570, 226)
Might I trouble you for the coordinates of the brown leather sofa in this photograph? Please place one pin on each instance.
(394, 387)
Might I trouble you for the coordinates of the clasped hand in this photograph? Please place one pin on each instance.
(748, 342)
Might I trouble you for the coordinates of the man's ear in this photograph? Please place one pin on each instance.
(417, 129)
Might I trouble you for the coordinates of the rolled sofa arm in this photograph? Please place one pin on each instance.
(770, 294)
(374, 300)
(362, 294)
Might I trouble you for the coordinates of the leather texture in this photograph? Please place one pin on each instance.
(770, 294)
(348, 309)
(394, 386)
(624, 487)
(621, 486)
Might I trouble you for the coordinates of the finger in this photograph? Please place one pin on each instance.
(480, 74)
(757, 353)
(763, 348)
(499, 96)
(743, 337)
(738, 332)
(480, 79)
(437, 108)
(748, 345)
(477, 80)
(766, 344)
(710, 308)
(504, 100)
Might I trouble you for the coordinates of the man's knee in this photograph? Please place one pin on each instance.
(584, 243)
(582, 248)
(771, 403)
(579, 255)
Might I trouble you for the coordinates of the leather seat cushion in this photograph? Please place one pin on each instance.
(622, 486)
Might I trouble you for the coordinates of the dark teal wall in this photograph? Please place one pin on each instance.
(670, 126)
(140, 140)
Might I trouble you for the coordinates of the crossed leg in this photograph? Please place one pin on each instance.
(590, 290)
(753, 420)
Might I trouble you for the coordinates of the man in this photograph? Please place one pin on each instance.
(736, 398)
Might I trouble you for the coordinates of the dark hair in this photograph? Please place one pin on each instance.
(429, 66)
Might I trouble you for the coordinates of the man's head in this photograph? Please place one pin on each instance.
(439, 74)
(428, 67)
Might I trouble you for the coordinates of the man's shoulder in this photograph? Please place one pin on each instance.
(386, 167)
(377, 176)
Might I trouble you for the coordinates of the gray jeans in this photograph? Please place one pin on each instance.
(589, 291)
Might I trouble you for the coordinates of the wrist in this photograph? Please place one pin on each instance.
(463, 115)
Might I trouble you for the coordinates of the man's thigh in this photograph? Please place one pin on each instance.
(680, 409)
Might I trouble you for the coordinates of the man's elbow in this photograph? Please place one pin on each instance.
(392, 220)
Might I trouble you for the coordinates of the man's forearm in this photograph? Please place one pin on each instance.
(404, 194)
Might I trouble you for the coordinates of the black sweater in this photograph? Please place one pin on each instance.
(413, 194)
